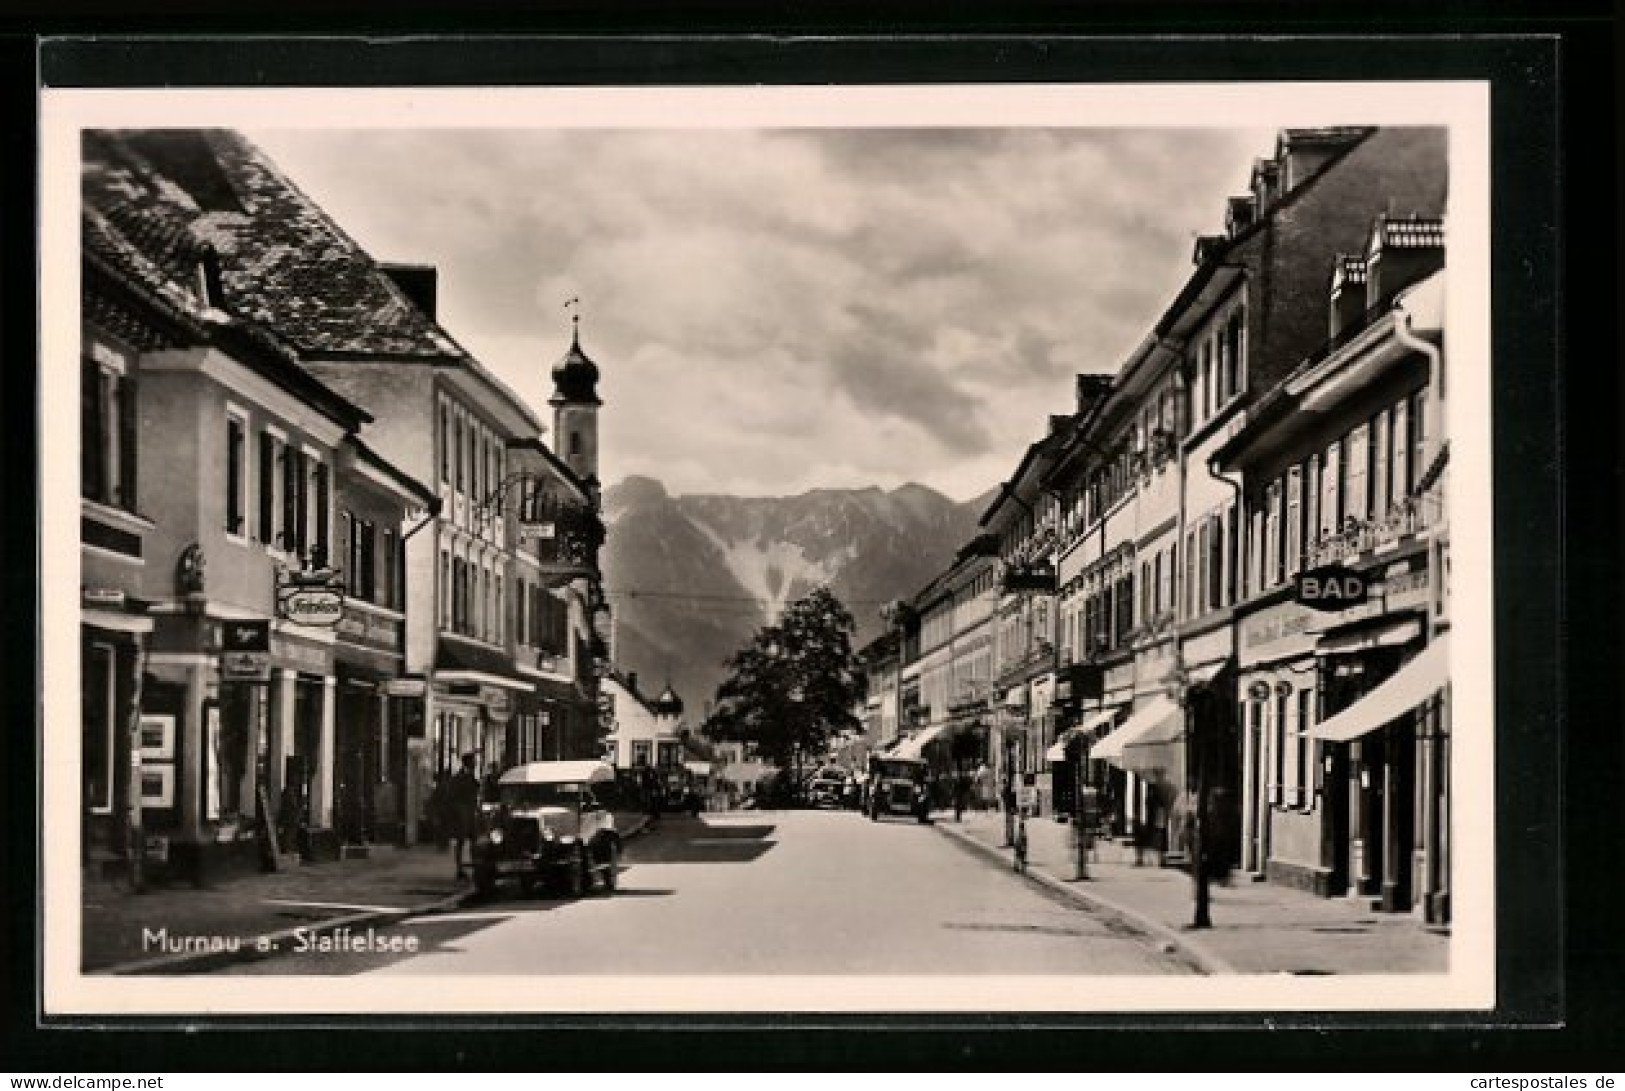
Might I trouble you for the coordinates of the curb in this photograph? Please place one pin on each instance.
(206, 961)
(1206, 961)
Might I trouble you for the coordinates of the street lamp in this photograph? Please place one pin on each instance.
(1178, 688)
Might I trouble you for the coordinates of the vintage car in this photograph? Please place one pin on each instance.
(547, 824)
(827, 787)
(898, 786)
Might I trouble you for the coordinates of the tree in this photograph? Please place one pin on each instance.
(793, 686)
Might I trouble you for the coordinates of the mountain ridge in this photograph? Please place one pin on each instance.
(690, 577)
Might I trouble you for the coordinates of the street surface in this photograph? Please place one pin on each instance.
(783, 892)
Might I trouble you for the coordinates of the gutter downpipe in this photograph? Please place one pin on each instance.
(1202, 917)
(1434, 897)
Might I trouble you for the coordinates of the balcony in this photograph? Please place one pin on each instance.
(1362, 536)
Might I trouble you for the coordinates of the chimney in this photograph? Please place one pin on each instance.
(417, 282)
(1402, 251)
(1348, 292)
(1304, 153)
(1092, 390)
(1239, 214)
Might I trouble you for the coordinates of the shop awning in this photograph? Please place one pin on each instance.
(913, 747)
(1098, 721)
(1412, 684)
(1157, 711)
(1160, 747)
(1364, 639)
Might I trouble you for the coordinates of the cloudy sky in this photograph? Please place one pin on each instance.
(777, 310)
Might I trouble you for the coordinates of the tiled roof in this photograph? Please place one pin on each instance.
(283, 262)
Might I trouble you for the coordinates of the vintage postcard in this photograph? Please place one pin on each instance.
(920, 549)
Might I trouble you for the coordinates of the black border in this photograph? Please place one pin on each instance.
(1534, 429)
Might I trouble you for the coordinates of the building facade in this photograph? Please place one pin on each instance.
(1346, 708)
(313, 458)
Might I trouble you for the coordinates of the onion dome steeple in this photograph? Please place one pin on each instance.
(575, 377)
(668, 703)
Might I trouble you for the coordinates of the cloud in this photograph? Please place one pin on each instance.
(773, 310)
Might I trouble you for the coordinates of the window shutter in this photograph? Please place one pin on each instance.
(90, 431)
(126, 441)
(267, 488)
(321, 508)
(234, 476)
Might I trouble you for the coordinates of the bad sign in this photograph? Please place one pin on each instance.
(1331, 587)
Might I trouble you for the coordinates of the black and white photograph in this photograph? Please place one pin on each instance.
(917, 549)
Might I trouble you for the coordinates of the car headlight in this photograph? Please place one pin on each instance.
(547, 832)
(496, 836)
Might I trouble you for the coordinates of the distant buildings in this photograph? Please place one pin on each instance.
(325, 552)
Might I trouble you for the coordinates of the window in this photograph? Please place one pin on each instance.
(268, 483)
(1419, 436)
(1294, 516)
(1192, 558)
(1358, 501)
(640, 752)
(319, 550)
(1306, 706)
(236, 475)
(1382, 459)
(287, 536)
(1312, 486)
(457, 447)
(1399, 436)
(365, 573)
(391, 594)
(445, 443)
(100, 715)
(1279, 737)
(1272, 536)
(1331, 489)
(446, 591)
(107, 421)
(1215, 562)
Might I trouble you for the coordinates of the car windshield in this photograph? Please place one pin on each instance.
(540, 795)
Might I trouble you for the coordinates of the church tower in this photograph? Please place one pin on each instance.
(575, 405)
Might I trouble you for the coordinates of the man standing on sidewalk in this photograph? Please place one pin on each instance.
(463, 808)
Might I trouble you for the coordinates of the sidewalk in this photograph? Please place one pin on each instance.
(119, 929)
(1257, 927)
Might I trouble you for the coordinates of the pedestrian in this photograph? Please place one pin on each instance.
(434, 810)
(981, 785)
(488, 787)
(462, 809)
(961, 795)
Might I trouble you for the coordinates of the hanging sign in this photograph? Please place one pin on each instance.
(310, 598)
(245, 650)
(1330, 587)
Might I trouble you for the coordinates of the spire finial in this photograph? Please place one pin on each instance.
(573, 305)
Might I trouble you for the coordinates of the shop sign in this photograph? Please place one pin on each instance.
(1038, 578)
(1394, 594)
(1276, 633)
(1330, 587)
(245, 651)
(312, 606)
(110, 597)
(314, 597)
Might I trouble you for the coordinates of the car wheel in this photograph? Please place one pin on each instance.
(576, 876)
(612, 867)
(485, 881)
